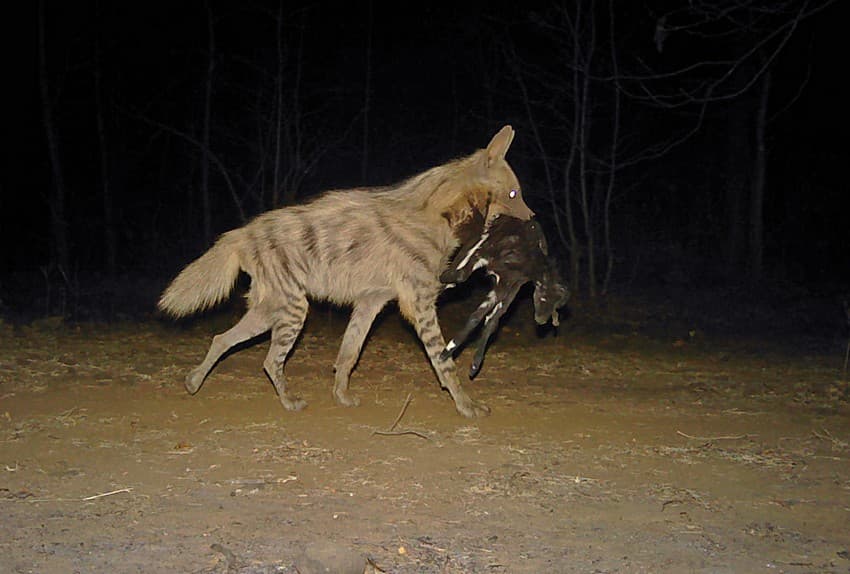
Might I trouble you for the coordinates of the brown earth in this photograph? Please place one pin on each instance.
(605, 452)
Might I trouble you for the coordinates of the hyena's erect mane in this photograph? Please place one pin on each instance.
(359, 247)
(297, 240)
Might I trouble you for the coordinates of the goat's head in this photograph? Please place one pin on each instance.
(550, 294)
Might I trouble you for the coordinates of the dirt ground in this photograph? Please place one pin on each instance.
(607, 451)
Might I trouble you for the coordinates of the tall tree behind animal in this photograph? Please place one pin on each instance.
(359, 247)
(847, 323)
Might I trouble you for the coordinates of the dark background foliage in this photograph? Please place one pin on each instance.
(173, 122)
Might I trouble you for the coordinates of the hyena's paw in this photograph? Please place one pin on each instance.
(472, 409)
(194, 380)
(345, 398)
(292, 403)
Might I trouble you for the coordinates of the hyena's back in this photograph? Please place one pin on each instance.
(341, 247)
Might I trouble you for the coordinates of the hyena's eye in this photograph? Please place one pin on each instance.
(512, 193)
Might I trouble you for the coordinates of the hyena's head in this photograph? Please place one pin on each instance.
(498, 181)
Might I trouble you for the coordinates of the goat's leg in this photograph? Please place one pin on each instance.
(474, 319)
(491, 322)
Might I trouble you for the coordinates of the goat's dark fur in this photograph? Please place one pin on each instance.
(513, 252)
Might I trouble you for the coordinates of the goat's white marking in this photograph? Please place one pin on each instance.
(493, 312)
(451, 345)
(472, 251)
(479, 263)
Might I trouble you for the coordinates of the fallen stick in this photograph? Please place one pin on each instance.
(399, 433)
(711, 438)
(392, 432)
(110, 493)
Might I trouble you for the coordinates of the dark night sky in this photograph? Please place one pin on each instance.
(440, 88)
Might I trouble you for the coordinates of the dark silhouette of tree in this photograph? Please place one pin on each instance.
(60, 253)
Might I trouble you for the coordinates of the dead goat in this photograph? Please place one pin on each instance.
(514, 252)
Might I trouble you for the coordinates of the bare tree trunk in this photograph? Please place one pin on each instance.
(583, 147)
(758, 186)
(574, 247)
(296, 167)
(278, 112)
(206, 204)
(110, 235)
(367, 97)
(541, 148)
(56, 198)
(612, 174)
(738, 167)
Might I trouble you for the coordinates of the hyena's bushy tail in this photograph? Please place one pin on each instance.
(206, 281)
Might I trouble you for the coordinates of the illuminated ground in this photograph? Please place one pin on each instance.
(612, 452)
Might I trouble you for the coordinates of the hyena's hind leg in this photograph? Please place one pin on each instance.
(255, 322)
(287, 324)
(362, 317)
(423, 314)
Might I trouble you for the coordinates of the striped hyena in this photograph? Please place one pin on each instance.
(358, 247)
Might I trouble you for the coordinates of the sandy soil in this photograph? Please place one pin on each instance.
(612, 452)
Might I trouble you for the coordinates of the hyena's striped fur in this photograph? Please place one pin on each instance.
(358, 247)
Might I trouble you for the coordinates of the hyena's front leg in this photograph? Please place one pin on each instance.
(255, 322)
(362, 317)
(423, 314)
(288, 322)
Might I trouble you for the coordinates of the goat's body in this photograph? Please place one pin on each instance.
(514, 252)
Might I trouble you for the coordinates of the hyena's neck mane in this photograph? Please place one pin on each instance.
(450, 191)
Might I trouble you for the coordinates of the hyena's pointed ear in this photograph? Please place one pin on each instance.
(498, 146)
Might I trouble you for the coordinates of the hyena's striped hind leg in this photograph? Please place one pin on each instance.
(362, 317)
(287, 324)
(423, 314)
(254, 323)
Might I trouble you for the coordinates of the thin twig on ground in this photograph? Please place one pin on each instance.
(392, 432)
(110, 493)
(837, 443)
(713, 438)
